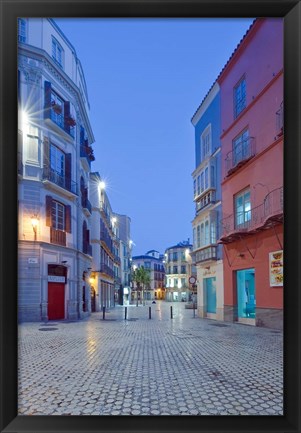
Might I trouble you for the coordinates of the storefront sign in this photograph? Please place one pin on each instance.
(276, 268)
(56, 279)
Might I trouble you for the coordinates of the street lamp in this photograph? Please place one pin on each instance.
(34, 223)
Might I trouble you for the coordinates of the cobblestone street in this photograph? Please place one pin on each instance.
(141, 366)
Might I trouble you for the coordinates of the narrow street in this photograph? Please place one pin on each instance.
(141, 366)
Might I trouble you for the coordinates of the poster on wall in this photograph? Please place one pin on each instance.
(276, 268)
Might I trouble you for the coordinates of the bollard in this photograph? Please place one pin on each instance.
(125, 313)
(149, 312)
(193, 309)
(171, 312)
(103, 313)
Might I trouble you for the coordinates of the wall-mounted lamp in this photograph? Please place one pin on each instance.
(64, 261)
(241, 255)
(34, 223)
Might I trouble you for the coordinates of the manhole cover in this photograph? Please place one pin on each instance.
(48, 329)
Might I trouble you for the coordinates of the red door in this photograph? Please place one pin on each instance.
(56, 301)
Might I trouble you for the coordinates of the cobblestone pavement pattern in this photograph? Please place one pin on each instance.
(141, 366)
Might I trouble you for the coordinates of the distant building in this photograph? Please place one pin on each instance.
(105, 244)
(152, 261)
(125, 254)
(178, 269)
(54, 161)
(207, 254)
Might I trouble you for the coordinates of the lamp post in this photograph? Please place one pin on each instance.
(34, 223)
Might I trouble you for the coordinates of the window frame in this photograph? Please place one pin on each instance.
(244, 222)
(55, 217)
(56, 48)
(22, 37)
(239, 104)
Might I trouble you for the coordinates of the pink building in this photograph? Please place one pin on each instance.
(251, 86)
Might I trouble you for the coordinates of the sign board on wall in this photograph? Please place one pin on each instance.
(276, 268)
(56, 279)
(32, 260)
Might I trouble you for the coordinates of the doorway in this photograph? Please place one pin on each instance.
(210, 290)
(56, 301)
(246, 293)
(93, 300)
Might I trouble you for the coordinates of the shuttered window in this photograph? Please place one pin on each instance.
(58, 215)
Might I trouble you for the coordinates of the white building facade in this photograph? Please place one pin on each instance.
(207, 254)
(178, 270)
(54, 159)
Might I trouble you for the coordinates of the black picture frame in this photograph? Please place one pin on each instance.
(291, 13)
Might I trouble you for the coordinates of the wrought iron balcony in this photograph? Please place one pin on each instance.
(86, 205)
(105, 269)
(87, 249)
(86, 152)
(258, 218)
(57, 179)
(59, 120)
(240, 155)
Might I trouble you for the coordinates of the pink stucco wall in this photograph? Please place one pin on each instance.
(260, 59)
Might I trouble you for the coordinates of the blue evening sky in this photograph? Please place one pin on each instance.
(145, 79)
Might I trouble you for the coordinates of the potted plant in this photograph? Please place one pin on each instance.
(56, 107)
(70, 120)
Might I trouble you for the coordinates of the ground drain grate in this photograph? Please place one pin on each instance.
(109, 320)
(132, 319)
(49, 324)
(48, 329)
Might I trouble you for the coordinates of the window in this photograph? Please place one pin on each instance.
(194, 238)
(57, 105)
(57, 160)
(21, 30)
(175, 256)
(213, 232)
(175, 269)
(202, 234)
(206, 142)
(57, 52)
(198, 236)
(206, 178)
(58, 215)
(198, 185)
(169, 269)
(194, 188)
(239, 97)
(183, 269)
(183, 282)
(241, 147)
(175, 282)
(242, 203)
(183, 255)
(206, 240)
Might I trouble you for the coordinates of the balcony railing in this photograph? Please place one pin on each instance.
(257, 218)
(105, 269)
(57, 179)
(279, 120)
(87, 249)
(240, 155)
(58, 119)
(85, 152)
(86, 204)
(57, 237)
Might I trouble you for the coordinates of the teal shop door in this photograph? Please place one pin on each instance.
(246, 295)
(210, 287)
